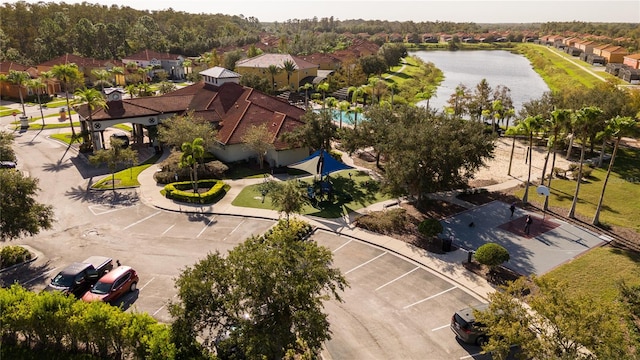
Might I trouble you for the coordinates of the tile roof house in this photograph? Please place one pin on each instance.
(614, 54)
(171, 63)
(259, 65)
(85, 65)
(230, 107)
(632, 61)
(10, 90)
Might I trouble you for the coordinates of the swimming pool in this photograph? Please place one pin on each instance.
(348, 118)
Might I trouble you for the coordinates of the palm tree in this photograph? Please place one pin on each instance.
(102, 77)
(69, 75)
(94, 100)
(529, 126)
(273, 70)
(38, 85)
(324, 88)
(289, 67)
(582, 121)
(117, 154)
(357, 110)
(558, 121)
(306, 88)
(191, 152)
(618, 127)
(20, 79)
(343, 106)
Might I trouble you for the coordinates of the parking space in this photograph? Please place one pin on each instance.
(408, 308)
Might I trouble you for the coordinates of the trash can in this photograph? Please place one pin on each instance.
(446, 245)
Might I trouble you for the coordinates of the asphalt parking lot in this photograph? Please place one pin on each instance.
(407, 306)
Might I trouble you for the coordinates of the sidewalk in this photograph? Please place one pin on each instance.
(448, 265)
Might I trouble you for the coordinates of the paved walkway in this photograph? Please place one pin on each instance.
(449, 264)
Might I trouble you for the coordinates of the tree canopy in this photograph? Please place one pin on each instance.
(21, 213)
(185, 128)
(264, 299)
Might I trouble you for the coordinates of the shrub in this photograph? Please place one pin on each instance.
(170, 167)
(58, 323)
(385, 222)
(430, 228)
(491, 254)
(296, 229)
(178, 191)
(11, 255)
(586, 171)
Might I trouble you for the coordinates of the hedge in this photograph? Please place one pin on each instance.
(177, 191)
(65, 325)
(11, 255)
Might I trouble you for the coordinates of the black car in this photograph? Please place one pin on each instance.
(464, 325)
(77, 278)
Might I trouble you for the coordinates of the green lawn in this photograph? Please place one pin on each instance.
(125, 178)
(597, 273)
(555, 68)
(38, 125)
(349, 195)
(65, 138)
(623, 186)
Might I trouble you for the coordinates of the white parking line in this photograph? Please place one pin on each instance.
(205, 227)
(39, 276)
(398, 278)
(162, 307)
(441, 327)
(166, 231)
(143, 286)
(430, 297)
(471, 356)
(341, 246)
(236, 228)
(141, 220)
(365, 263)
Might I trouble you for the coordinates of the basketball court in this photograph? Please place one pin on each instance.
(550, 241)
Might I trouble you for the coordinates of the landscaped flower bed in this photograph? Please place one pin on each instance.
(183, 191)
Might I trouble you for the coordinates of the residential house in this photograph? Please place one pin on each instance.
(323, 60)
(85, 65)
(171, 63)
(10, 90)
(230, 107)
(632, 60)
(614, 54)
(586, 46)
(259, 65)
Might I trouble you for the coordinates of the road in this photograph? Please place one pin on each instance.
(394, 308)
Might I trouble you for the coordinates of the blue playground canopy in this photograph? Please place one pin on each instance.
(320, 163)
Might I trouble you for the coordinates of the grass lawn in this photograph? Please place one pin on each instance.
(125, 178)
(623, 185)
(349, 195)
(65, 138)
(557, 71)
(597, 273)
(38, 126)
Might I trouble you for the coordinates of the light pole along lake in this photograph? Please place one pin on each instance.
(469, 67)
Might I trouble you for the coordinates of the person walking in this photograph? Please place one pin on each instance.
(512, 208)
(527, 224)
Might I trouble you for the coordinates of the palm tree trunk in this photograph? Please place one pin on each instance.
(596, 218)
(73, 131)
(572, 211)
(525, 198)
(513, 148)
(553, 164)
(41, 112)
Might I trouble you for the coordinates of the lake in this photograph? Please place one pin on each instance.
(499, 67)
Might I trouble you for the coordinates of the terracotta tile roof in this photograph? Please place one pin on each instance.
(263, 61)
(633, 56)
(6, 66)
(80, 61)
(233, 107)
(147, 55)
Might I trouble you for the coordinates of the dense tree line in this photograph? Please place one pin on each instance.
(33, 33)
